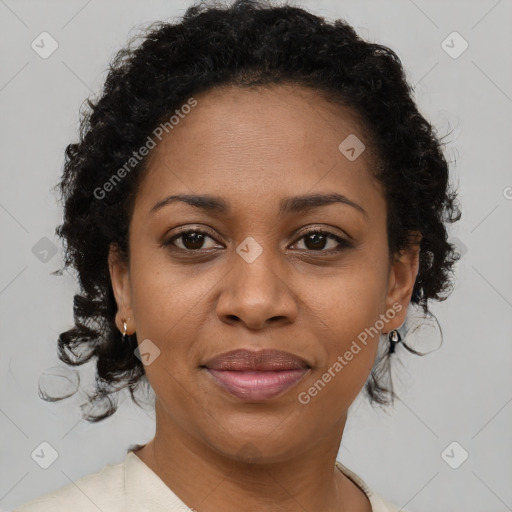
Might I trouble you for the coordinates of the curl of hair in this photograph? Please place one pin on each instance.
(246, 44)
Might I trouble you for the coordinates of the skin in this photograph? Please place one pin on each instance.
(254, 148)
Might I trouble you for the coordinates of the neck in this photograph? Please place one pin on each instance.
(206, 479)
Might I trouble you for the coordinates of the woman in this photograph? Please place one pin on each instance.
(254, 203)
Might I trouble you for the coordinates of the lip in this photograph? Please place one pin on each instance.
(261, 360)
(257, 385)
(259, 375)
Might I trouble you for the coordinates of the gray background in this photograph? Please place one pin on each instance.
(461, 392)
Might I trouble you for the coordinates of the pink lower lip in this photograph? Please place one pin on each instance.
(257, 385)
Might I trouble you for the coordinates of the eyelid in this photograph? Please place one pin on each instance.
(193, 229)
(325, 228)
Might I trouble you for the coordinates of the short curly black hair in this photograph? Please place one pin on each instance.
(247, 44)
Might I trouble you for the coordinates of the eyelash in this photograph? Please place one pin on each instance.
(344, 244)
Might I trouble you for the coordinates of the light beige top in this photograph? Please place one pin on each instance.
(132, 486)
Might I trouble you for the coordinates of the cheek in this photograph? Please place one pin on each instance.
(346, 311)
(350, 350)
(349, 300)
(347, 342)
(166, 296)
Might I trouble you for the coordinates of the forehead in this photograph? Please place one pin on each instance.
(244, 143)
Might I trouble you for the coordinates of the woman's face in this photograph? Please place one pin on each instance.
(257, 279)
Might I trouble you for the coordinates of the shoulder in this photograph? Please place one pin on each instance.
(103, 490)
(378, 502)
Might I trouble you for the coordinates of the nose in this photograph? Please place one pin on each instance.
(257, 294)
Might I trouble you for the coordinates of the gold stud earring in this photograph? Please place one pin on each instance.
(125, 329)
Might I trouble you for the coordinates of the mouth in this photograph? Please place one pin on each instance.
(257, 385)
(256, 376)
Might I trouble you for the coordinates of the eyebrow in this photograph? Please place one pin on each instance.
(297, 204)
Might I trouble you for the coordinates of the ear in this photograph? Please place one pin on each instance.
(120, 279)
(402, 276)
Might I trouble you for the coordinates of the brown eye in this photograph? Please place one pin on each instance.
(192, 240)
(316, 241)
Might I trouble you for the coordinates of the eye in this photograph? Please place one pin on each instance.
(192, 240)
(315, 240)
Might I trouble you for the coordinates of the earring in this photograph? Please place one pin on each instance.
(125, 328)
(394, 338)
